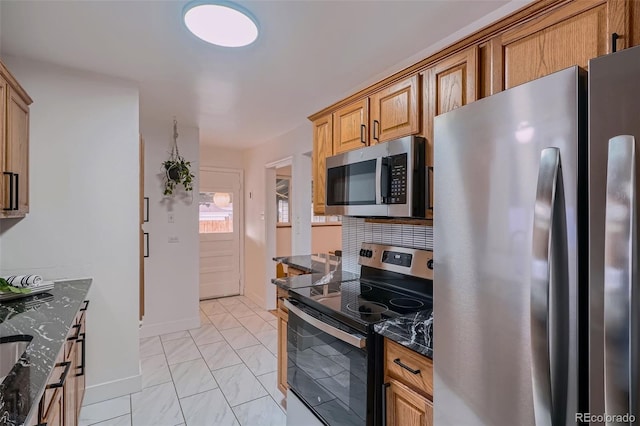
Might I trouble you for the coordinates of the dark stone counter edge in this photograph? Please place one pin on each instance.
(287, 261)
(54, 318)
(421, 349)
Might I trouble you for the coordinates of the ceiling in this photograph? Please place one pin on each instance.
(309, 55)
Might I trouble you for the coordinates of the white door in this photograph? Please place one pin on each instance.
(219, 233)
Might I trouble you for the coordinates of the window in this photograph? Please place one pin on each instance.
(216, 212)
(282, 199)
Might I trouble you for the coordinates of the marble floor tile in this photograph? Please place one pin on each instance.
(248, 302)
(265, 315)
(267, 336)
(174, 336)
(258, 359)
(228, 301)
(219, 355)
(239, 337)
(150, 346)
(105, 410)
(238, 384)
(208, 408)
(157, 405)
(255, 324)
(118, 421)
(154, 371)
(212, 307)
(263, 412)
(270, 382)
(224, 321)
(181, 350)
(192, 377)
(274, 323)
(204, 319)
(206, 334)
(240, 311)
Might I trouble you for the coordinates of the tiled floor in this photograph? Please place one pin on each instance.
(223, 373)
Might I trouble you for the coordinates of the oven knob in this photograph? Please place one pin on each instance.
(369, 253)
(362, 251)
(430, 264)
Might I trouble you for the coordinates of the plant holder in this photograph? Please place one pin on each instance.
(177, 170)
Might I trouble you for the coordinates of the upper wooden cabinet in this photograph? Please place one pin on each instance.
(395, 111)
(14, 146)
(350, 127)
(322, 148)
(570, 35)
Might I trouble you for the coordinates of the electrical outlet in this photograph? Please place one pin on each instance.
(174, 239)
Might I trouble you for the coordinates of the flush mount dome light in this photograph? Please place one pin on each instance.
(221, 23)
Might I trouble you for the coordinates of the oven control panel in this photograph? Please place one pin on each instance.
(405, 260)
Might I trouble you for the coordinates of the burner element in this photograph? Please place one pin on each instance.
(367, 308)
(405, 302)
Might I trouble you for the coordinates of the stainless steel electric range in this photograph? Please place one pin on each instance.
(334, 357)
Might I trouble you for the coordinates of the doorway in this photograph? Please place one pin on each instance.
(220, 229)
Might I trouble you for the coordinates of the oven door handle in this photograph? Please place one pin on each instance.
(351, 339)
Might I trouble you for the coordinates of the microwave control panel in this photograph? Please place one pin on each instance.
(397, 179)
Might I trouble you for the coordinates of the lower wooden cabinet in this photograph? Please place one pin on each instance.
(406, 407)
(408, 386)
(283, 318)
(62, 399)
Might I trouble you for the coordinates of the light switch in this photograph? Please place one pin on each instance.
(171, 217)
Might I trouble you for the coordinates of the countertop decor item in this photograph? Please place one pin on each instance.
(177, 170)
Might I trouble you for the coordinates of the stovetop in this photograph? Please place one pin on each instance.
(362, 303)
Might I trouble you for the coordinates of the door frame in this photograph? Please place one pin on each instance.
(240, 173)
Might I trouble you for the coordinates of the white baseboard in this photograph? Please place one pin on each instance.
(150, 330)
(109, 390)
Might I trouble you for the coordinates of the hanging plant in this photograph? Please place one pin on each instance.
(177, 170)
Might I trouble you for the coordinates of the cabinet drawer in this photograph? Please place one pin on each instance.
(415, 370)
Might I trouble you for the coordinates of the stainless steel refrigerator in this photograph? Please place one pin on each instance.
(533, 295)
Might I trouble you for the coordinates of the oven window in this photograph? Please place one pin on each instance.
(328, 374)
(352, 184)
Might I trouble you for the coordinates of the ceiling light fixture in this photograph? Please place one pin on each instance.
(221, 23)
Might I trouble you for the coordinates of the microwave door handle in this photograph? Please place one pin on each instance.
(379, 178)
(619, 267)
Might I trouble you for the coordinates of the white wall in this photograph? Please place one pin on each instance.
(259, 268)
(172, 269)
(83, 218)
(213, 156)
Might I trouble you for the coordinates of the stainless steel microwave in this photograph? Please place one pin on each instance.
(384, 180)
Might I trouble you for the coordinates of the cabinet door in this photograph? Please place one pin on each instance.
(69, 389)
(4, 179)
(18, 149)
(449, 84)
(282, 351)
(571, 35)
(406, 407)
(322, 148)
(395, 111)
(350, 127)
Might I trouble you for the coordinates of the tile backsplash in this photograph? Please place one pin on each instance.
(355, 231)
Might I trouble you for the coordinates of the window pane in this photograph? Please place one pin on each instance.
(282, 199)
(216, 212)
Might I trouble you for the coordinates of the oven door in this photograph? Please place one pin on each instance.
(327, 367)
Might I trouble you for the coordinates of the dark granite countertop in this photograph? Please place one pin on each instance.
(415, 331)
(322, 269)
(49, 323)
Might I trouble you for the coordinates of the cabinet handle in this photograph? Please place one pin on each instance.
(146, 239)
(614, 42)
(146, 211)
(82, 340)
(10, 190)
(376, 125)
(63, 376)
(363, 130)
(405, 366)
(86, 305)
(77, 327)
(17, 193)
(429, 177)
(384, 403)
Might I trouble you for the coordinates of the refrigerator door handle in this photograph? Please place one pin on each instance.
(620, 267)
(550, 294)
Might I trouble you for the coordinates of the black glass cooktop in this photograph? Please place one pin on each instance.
(362, 303)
